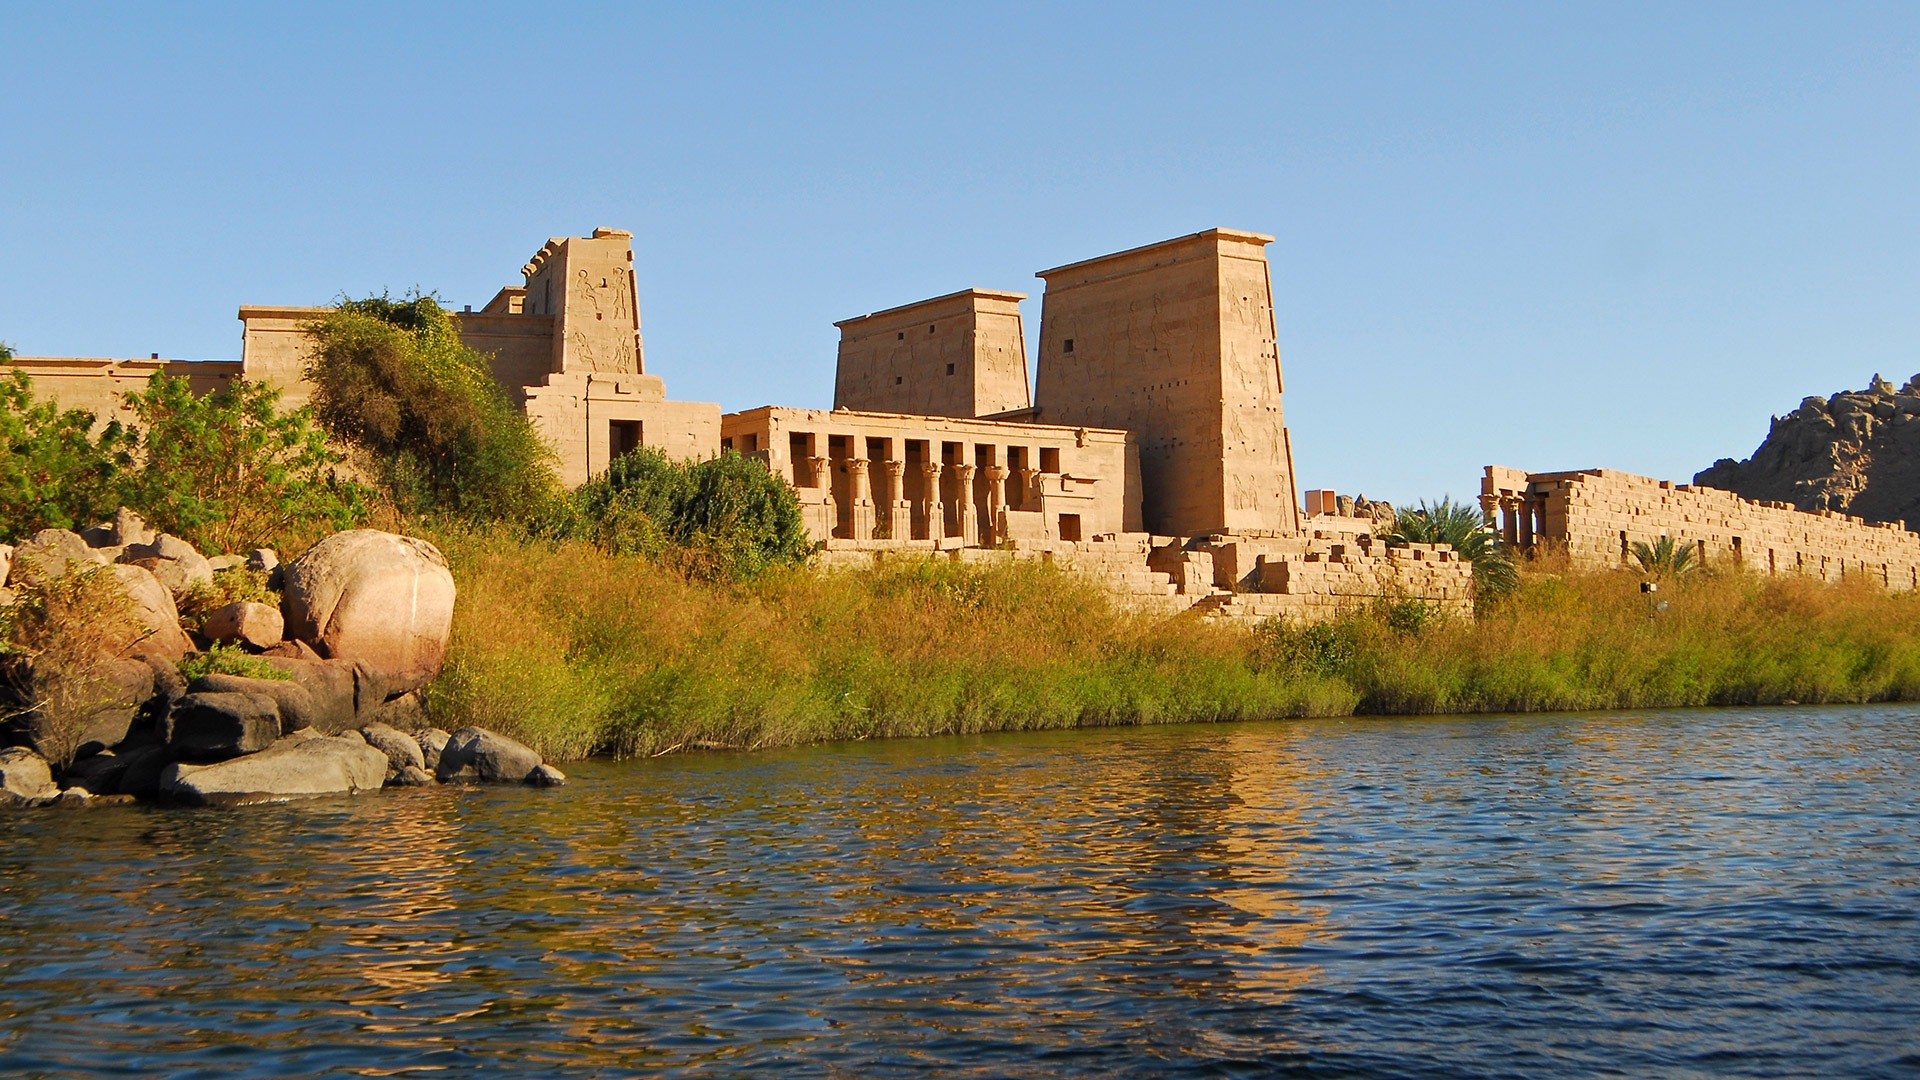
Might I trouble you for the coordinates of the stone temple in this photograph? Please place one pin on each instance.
(1151, 450)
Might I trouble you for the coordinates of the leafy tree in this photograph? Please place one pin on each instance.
(58, 472)
(1466, 529)
(1664, 558)
(392, 375)
(227, 471)
(726, 518)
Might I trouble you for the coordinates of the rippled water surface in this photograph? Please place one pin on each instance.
(1705, 892)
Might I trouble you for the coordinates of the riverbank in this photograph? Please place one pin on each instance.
(575, 651)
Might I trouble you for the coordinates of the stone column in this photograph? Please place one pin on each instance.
(862, 495)
(933, 513)
(969, 514)
(826, 513)
(993, 530)
(899, 524)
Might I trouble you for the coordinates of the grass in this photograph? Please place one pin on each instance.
(576, 651)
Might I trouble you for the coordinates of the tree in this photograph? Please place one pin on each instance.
(58, 472)
(227, 471)
(726, 518)
(392, 376)
(1663, 558)
(1466, 529)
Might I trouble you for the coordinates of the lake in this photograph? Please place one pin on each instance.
(1712, 892)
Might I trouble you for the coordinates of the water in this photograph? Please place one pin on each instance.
(1714, 892)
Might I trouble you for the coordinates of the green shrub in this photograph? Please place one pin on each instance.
(228, 660)
(723, 519)
(1663, 558)
(1466, 529)
(57, 471)
(224, 471)
(230, 586)
(392, 376)
(228, 471)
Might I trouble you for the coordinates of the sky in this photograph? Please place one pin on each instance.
(1542, 235)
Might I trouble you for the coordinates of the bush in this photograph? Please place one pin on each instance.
(230, 586)
(57, 472)
(228, 471)
(392, 376)
(59, 642)
(723, 519)
(228, 660)
(225, 471)
(1466, 529)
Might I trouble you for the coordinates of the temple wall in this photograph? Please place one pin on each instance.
(890, 478)
(589, 419)
(1596, 515)
(964, 354)
(100, 385)
(1175, 342)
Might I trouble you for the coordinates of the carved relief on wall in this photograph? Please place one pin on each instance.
(1246, 493)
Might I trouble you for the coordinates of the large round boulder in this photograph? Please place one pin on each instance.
(373, 597)
(154, 611)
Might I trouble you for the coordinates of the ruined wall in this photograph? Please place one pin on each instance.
(100, 385)
(963, 354)
(1595, 515)
(1175, 342)
(275, 347)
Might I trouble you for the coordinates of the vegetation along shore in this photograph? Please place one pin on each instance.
(671, 606)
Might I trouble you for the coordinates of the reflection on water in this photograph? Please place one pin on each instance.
(1722, 892)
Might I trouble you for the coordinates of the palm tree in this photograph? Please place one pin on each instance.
(1465, 528)
(1664, 558)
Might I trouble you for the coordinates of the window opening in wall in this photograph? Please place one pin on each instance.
(916, 450)
(879, 449)
(1066, 346)
(623, 437)
(753, 442)
(929, 329)
(898, 379)
(1050, 459)
(726, 442)
(950, 453)
(1070, 527)
(901, 336)
(949, 369)
(984, 455)
(799, 449)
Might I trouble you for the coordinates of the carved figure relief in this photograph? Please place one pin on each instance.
(583, 350)
(622, 288)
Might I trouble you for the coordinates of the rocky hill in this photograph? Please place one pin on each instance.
(1856, 452)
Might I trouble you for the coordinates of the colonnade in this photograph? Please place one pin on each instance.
(955, 500)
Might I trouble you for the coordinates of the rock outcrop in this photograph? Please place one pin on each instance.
(476, 754)
(362, 626)
(25, 778)
(374, 597)
(1857, 452)
(298, 766)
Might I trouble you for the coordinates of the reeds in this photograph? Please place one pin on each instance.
(577, 651)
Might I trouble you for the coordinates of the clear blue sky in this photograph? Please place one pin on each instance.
(1543, 235)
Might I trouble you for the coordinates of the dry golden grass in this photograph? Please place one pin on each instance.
(577, 652)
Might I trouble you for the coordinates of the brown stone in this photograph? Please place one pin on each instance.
(374, 597)
(254, 626)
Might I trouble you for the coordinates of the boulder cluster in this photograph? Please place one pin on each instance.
(1857, 452)
(332, 702)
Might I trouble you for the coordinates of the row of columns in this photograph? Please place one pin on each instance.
(1522, 516)
(889, 514)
